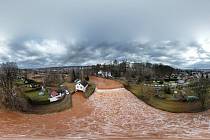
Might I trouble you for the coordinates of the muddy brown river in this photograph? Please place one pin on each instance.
(107, 114)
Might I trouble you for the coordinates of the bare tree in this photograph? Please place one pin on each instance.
(72, 76)
(201, 88)
(53, 78)
(8, 75)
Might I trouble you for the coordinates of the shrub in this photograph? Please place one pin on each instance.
(87, 78)
(167, 90)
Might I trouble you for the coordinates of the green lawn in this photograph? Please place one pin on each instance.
(146, 94)
(140, 91)
(35, 98)
(175, 106)
(31, 94)
(19, 82)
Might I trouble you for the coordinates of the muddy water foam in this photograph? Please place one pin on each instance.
(106, 114)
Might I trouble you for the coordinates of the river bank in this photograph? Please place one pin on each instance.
(147, 95)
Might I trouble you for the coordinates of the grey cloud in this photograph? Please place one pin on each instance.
(105, 20)
(87, 53)
(105, 30)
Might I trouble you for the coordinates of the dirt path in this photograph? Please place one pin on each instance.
(107, 114)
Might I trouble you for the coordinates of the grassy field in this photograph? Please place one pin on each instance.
(19, 82)
(140, 91)
(175, 106)
(146, 94)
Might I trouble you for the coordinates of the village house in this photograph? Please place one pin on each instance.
(104, 73)
(56, 95)
(81, 86)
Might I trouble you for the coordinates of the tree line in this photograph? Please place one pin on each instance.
(138, 72)
(8, 75)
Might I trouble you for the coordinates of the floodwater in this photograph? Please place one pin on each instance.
(107, 114)
(102, 83)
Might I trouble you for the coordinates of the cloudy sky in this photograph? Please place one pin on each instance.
(42, 33)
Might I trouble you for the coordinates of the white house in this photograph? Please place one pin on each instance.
(100, 72)
(104, 73)
(81, 86)
(55, 95)
(107, 74)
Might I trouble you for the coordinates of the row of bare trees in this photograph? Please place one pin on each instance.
(8, 75)
(201, 88)
(135, 71)
(53, 78)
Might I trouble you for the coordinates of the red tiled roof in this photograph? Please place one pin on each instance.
(54, 93)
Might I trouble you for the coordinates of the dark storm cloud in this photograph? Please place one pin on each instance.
(38, 33)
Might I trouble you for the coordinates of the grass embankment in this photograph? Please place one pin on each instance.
(58, 106)
(90, 90)
(146, 94)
